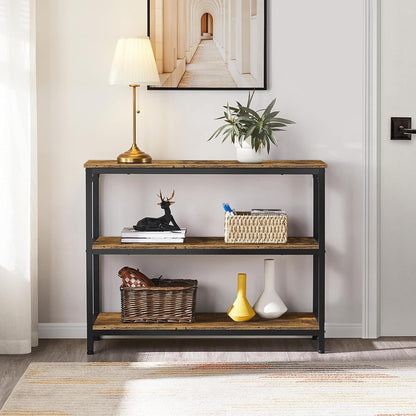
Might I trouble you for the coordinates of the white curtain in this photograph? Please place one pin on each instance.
(18, 177)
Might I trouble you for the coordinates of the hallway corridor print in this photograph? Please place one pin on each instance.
(204, 44)
(207, 69)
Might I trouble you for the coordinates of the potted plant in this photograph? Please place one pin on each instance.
(251, 131)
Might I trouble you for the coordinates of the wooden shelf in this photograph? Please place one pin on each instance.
(291, 321)
(207, 164)
(204, 245)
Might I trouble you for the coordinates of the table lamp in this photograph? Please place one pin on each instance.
(134, 65)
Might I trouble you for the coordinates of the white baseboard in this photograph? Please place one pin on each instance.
(343, 331)
(79, 330)
(61, 330)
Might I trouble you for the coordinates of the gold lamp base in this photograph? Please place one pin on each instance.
(134, 155)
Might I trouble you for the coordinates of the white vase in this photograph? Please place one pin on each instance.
(246, 154)
(269, 305)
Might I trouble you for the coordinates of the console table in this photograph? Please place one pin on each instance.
(294, 323)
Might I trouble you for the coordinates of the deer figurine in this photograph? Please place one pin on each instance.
(162, 223)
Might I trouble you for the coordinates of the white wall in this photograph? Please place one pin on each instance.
(315, 70)
(398, 170)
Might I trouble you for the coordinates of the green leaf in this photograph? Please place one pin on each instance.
(283, 120)
(250, 131)
(269, 108)
(228, 133)
(277, 124)
(273, 114)
(245, 119)
(272, 139)
(250, 98)
(225, 138)
(252, 113)
(217, 132)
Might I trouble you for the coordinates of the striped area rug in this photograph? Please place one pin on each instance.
(215, 389)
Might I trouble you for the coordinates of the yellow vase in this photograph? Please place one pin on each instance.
(241, 309)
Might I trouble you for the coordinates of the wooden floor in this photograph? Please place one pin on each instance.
(212, 350)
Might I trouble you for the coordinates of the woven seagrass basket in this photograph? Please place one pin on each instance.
(171, 300)
(258, 229)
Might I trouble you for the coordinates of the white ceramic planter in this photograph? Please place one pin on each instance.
(246, 154)
(269, 305)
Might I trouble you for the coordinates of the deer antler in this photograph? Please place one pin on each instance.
(166, 199)
(173, 193)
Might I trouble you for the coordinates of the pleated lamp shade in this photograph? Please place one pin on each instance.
(134, 63)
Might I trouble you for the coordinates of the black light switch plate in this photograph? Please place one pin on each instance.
(396, 132)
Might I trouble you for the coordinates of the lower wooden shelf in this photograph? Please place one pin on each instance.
(211, 322)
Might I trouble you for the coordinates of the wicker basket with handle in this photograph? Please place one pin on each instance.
(257, 229)
(170, 300)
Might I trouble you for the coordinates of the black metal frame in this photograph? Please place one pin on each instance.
(92, 255)
(265, 63)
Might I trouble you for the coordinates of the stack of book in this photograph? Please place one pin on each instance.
(270, 211)
(130, 235)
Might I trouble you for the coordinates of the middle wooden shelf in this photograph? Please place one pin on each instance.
(205, 245)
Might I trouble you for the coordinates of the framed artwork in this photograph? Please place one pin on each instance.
(209, 44)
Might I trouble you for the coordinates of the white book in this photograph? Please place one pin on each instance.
(271, 211)
(152, 240)
(129, 232)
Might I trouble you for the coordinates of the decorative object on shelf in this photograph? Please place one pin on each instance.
(251, 131)
(241, 310)
(134, 65)
(162, 223)
(257, 229)
(269, 305)
(168, 300)
(246, 154)
(134, 278)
